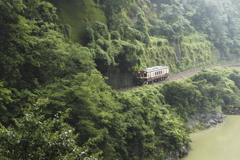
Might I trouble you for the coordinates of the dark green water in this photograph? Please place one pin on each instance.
(218, 143)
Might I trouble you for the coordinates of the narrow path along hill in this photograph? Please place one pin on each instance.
(184, 74)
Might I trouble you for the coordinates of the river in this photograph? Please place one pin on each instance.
(217, 143)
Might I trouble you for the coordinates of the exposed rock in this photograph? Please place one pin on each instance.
(205, 120)
(177, 154)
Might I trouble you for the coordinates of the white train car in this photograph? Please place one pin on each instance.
(150, 75)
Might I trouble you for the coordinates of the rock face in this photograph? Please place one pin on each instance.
(205, 120)
(177, 154)
(213, 119)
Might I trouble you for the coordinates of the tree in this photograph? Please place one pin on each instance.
(216, 88)
(94, 111)
(34, 137)
(14, 40)
(172, 22)
(152, 130)
(113, 7)
(141, 25)
(219, 19)
(183, 97)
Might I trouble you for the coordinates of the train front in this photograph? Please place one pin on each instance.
(141, 77)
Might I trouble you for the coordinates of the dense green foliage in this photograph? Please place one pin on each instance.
(172, 23)
(219, 20)
(44, 74)
(220, 88)
(136, 34)
(78, 14)
(33, 137)
(152, 130)
(209, 91)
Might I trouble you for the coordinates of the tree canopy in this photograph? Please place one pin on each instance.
(54, 100)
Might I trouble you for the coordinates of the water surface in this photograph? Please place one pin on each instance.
(218, 143)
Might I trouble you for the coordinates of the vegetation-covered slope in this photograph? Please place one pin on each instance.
(125, 36)
(151, 37)
(44, 74)
(79, 14)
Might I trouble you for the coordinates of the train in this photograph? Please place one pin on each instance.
(151, 75)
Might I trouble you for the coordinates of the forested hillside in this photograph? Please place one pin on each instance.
(128, 35)
(54, 100)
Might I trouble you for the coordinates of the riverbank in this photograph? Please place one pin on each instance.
(198, 122)
(201, 121)
(220, 142)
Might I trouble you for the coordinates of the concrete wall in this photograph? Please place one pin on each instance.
(120, 80)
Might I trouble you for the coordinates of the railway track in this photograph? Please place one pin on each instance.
(182, 75)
